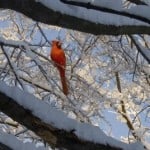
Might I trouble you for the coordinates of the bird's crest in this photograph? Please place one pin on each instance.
(57, 43)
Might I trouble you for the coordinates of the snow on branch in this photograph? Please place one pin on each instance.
(145, 52)
(113, 7)
(80, 19)
(137, 2)
(10, 142)
(11, 43)
(4, 147)
(54, 126)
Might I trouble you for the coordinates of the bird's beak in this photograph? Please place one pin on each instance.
(51, 42)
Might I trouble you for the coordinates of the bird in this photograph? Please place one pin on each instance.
(57, 55)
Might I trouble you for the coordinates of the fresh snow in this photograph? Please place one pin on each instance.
(145, 51)
(12, 142)
(145, 11)
(113, 4)
(53, 117)
(117, 5)
(12, 42)
(97, 16)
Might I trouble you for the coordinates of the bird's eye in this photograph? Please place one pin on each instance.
(59, 44)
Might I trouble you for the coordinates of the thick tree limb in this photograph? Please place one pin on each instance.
(50, 134)
(38, 12)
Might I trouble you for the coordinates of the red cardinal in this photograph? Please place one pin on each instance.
(58, 56)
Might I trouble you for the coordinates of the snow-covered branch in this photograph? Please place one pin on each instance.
(84, 20)
(4, 147)
(137, 2)
(10, 142)
(145, 52)
(112, 7)
(54, 126)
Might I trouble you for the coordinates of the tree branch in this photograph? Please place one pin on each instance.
(118, 81)
(137, 2)
(4, 147)
(55, 137)
(123, 111)
(40, 13)
(106, 10)
(139, 49)
(10, 142)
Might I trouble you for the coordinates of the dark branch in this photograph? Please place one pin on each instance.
(118, 81)
(40, 13)
(137, 2)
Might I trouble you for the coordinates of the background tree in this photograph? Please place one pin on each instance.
(107, 75)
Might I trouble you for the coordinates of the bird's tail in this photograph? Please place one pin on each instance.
(63, 80)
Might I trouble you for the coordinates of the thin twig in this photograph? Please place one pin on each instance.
(12, 67)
